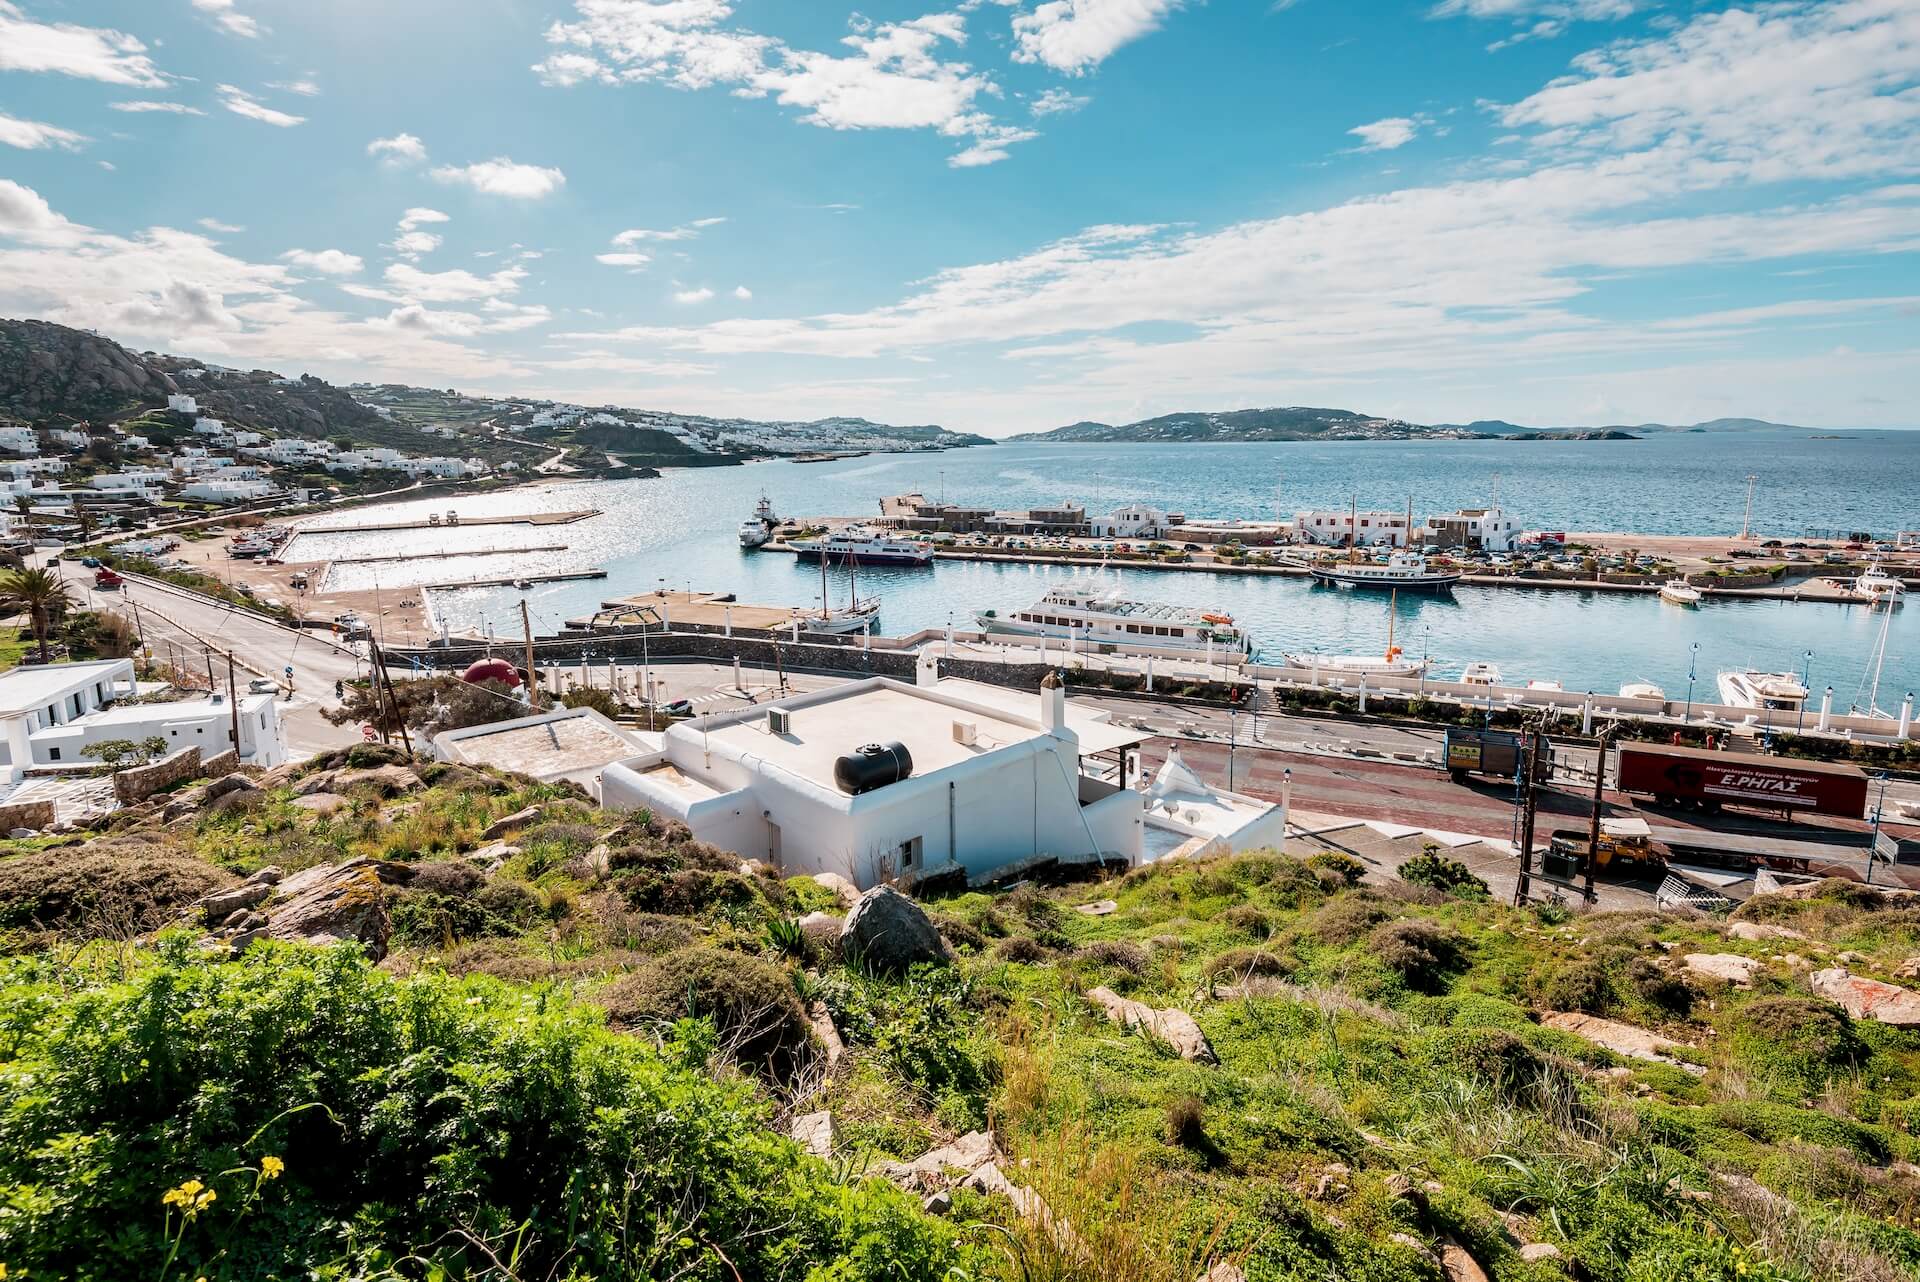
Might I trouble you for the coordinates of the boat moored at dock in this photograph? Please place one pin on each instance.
(1402, 571)
(1480, 674)
(1876, 587)
(858, 545)
(1680, 592)
(1101, 616)
(1762, 691)
(758, 528)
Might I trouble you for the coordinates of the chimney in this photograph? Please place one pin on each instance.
(1053, 704)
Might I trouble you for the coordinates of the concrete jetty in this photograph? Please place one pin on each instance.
(563, 576)
(426, 556)
(705, 610)
(439, 522)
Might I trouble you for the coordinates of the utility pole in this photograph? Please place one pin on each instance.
(381, 679)
(1529, 769)
(233, 702)
(1593, 825)
(533, 687)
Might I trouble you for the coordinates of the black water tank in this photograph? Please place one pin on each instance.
(872, 765)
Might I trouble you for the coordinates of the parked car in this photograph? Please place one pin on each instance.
(263, 685)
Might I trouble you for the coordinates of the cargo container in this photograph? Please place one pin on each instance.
(1490, 752)
(1709, 780)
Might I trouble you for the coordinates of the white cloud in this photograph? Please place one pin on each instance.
(421, 216)
(87, 53)
(1538, 19)
(896, 77)
(215, 225)
(305, 87)
(242, 103)
(1056, 102)
(148, 105)
(504, 177)
(31, 135)
(1387, 134)
(742, 293)
(228, 17)
(700, 295)
(1074, 36)
(25, 214)
(401, 149)
(412, 244)
(452, 286)
(686, 231)
(328, 262)
(625, 258)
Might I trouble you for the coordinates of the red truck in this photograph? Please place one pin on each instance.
(1709, 780)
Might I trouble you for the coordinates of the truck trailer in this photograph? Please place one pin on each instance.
(1709, 780)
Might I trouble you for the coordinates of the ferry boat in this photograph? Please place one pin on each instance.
(1480, 674)
(856, 544)
(1406, 571)
(1097, 616)
(1680, 592)
(1768, 691)
(758, 528)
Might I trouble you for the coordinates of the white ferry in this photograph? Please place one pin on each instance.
(1680, 592)
(1096, 616)
(1770, 691)
(1402, 570)
(758, 528)
(861, 546)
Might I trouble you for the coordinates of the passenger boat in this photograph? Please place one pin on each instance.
(1480, 674)
(864, 546)
(758, 528)
(1642, 690)
(1094, 615)
(1680, 592)
(1403, 569)
(1766, 691)
(1876, 587)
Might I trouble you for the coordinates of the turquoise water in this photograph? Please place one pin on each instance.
(679, 530)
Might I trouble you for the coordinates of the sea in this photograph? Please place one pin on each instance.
(679, 531)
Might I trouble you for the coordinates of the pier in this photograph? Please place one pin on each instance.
(705, 611)
(438, 522)
(425, 556)
(563, 576)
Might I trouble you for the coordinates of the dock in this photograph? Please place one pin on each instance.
(425, 556)
(563, 576)
(697, 609)
(439, 522)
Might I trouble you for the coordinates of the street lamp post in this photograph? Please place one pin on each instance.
(1806, 675)
(1692, 660)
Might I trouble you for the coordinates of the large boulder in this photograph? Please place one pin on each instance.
(1868, 998)
(1728, 968)
(325, 904)
(1621, 1039)
(887, 932)
(1174, 1027)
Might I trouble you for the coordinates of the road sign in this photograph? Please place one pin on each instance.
(288, 669)
(1886, 847)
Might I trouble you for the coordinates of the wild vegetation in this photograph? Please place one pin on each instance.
(585, 1043)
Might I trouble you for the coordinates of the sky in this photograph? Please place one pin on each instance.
(998, 215)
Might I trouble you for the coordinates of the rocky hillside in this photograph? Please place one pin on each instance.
(51, 375)
(1290, 423)
(367, 1009)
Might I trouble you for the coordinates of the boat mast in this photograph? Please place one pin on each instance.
(825, 604)
(1353, 529)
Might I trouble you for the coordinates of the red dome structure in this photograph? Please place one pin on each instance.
(492, 670)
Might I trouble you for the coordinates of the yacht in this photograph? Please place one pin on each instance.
(1876, 587)
(758, 528)
(859, 545)
(1101, 616)
(856, 616)
(1642, 690)
(1402, 570)
(1769, 691)
(1680, 592)
(1480, 674)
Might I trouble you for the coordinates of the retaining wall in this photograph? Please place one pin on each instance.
(26, 814)
(137, 783)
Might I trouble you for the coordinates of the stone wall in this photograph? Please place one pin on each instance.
(137, 783)
(26, 814)
(220, 765)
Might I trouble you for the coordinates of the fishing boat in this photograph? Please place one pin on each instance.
(758, 528)
(1680, 592)
(857, 616)
(1403, 569)
(1763, 691)
(1876, 587)
(1480, 674)
(867, 547)
(1094, 615)
(1387, 664)
(1866, 700)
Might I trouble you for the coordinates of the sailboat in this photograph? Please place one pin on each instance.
(1390, 664)
(1404, 568)
(1870, 680)
(858, 616)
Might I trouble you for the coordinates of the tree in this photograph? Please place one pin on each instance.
(430, 705)
(601, 701)
(41, 596)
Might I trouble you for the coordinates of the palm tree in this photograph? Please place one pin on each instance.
(41, 595)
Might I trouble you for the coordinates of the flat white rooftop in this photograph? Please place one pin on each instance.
(548, 747)
(35, 685)
(1096, 732)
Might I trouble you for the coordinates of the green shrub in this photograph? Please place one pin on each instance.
(1243, 963)
(1342, 865)
(926, 1039)
(1450, 876)
(405, 1115)
(755, 1011)
(1422, 952)
(1348, 919)
(1800, 1040)
(115, 886)
(1581, 984)
(1116, 954)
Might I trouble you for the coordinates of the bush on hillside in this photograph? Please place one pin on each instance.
(752, 1003)
(1422, 952)
(1349, 919)
(1799, 1041)
(1342, 865)
(429, 1120)
(116, 887)
(1449, 876)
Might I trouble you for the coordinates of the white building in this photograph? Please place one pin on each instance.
(1368, 528)
(184, 404)
(46, 466)
(380, 459)
(145, 481)
(18, 438)
(218, 491)
(68, 437)
(1475, 527)
(205, 723)
(41, 696)
(238, 472)
(1135, 521)
(446, 467)
(997, 780)
(247, 438)
(287, 450)
(571, 743)
(209, 427)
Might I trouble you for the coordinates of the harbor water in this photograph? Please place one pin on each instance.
(679, 531)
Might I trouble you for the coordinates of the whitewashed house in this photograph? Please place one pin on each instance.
(1490, 528)
(1135, 521)
(206, 490)
(18, 438)
(67, 437)
(185, 404)
(1374, 528)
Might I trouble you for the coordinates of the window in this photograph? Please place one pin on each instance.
(910, 853)
(53, 754)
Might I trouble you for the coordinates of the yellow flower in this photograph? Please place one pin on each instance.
(3, 1273)
(270, 1168)
(191, 1197)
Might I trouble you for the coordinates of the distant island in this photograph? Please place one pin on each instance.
(1307, 423)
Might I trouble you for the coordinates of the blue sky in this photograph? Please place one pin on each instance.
(998, 215)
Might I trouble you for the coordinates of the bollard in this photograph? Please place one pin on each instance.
(1586, 715)
(1363, 692)
(1826, 709)
(1906, 714)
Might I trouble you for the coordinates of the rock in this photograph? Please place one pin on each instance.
(1534, 1252)
(968, 1153)
(888, 932)
(1223, 1272)
(268, 876)
(940, 1203)
(1174, 1027)
(492, 855)
(1413, 1243)
(1621, 1039)
(1729, 968)
(814, 1133)
(989, 1178)
(387, 781)
(847, 892)
(1332, 1181)
(1101, 908)
(1458, 1265)
(1868, 998)
(227, 784)
(1908, 969)
(21, 834)
(254, 920)
(828, 1035)
(512, 823)
(333, 902)
(321, 803)
(1755, 931)
(223, 904)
